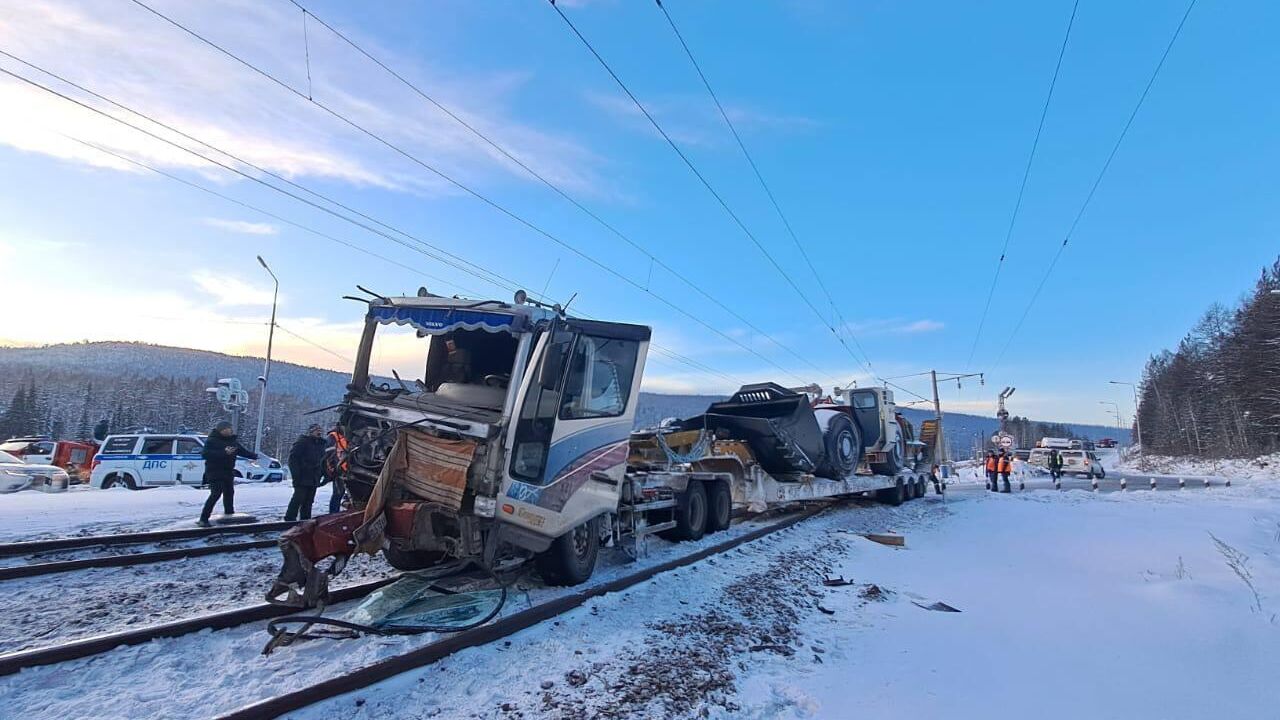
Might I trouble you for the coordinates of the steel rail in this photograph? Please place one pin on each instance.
(14, 662)
(48, 568)
(363, 677)
(72, 543)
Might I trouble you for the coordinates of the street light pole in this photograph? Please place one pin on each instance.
(1137, 421)
(266, 369)
(1116, 405)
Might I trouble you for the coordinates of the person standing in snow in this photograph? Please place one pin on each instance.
(335, 465)
(992, 466)
(306, 463)
(1005, 467)
(937, 483)
(1055, 465)
(220, 451)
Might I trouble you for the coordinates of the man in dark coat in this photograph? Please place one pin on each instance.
(220, 451)
(306, 463)
(1055, 464)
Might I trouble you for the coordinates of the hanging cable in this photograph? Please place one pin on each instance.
(1022, 187)
(653, 258)
(711, 189)
(1096, 182)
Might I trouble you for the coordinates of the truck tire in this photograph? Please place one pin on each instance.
(895, 495)
(690, 514)
(917, 489)
(405, 560)
(572, 557)
(843, 445)
(892, 464)
(719, 506)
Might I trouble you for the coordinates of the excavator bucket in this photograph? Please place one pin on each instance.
(776, 423)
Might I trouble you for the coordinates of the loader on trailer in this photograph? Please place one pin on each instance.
(508, 437)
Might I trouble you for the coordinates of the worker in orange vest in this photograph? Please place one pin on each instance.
(335, 466)
(992, 468)
(1005, 467)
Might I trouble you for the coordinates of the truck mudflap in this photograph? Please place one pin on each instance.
(301, 583)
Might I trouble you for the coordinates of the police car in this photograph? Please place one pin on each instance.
(144, 460)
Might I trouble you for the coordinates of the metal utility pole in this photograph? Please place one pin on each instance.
(1115, 405)
(939, 447)
(1137, 421)
(266, 370)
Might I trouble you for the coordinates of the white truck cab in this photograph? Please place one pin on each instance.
(142, 460)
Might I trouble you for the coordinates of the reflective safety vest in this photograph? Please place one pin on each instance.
(991, 463)
(1005, 466)
(338, 443)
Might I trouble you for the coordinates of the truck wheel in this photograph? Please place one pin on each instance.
(895, 495)
(690, 514)
(917, 489)
(572, 557)
(405, 560)
(843, 445)
(719, 506)
(893, 461)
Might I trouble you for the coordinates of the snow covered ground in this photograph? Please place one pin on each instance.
(31, 515)
(1072, 604)
(1266, 467)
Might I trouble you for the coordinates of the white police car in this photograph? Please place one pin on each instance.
(142, 460)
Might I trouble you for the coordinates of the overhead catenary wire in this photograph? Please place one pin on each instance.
(554, 187)
(1022, 187)
(671, 354)
(711, 189)
(1093, 189)
(471, 191)
(755, 169)
(461, 265)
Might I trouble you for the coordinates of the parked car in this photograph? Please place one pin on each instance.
(15, 474)
(141, 460)
(74, 456)
(1082, 462)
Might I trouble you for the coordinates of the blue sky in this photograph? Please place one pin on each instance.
(893, 134)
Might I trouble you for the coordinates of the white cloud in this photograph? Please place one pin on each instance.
(243, 227)
(231, 291)
(694, 120)
(129, 55)
(893, 326)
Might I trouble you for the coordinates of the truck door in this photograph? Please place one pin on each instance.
(866, 410)
(569, 449)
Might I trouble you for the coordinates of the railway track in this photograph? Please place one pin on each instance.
(500, 628)
(105, 542)
(15, 662)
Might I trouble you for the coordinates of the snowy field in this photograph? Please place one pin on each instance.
(33, 515)
(1072, 604)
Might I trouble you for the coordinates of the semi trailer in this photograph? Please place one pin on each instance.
(509, 437)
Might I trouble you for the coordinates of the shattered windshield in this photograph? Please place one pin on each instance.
(467, 367)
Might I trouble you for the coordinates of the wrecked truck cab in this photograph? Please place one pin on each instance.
(486, 430)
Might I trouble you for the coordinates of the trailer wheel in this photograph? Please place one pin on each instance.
(843, 445)
(690, 514)
(572, 557)
(405, 560)
(918, 489)
(895, 495)
(719, 506)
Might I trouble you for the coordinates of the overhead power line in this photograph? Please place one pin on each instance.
(475, 193)
(711, 189)
(1097, 181)
(479, 273)
(1022, 187)
(554, 187)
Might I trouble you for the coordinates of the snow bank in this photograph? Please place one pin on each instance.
(1266, 467)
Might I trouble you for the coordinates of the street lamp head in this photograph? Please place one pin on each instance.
(263, 263)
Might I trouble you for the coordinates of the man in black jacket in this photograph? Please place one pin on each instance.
(306, 462)
(221, 449)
